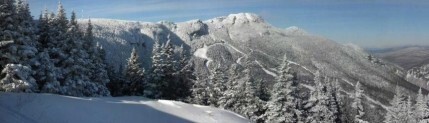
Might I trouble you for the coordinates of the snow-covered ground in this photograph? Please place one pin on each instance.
(49, 108)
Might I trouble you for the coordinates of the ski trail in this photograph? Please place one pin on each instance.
(265, 70)
(369, 99)
(202, 53)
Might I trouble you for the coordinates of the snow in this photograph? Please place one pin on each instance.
(292, 62)
(369, 99)
(236, 49)
(348, 82)
(202, 53)
(293, 30)
(50, 108)
(265, 70)
(308, 86)
(169, 103)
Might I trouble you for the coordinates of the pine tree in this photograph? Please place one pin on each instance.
(17, 78)
(249, 104)
(396, 113)
(135, 75)
(199, 93)
(217, 86)
(335, 102)
(283, 103)
(421, 109)
(153, 86)
(47, 73)
(357, 104)
(230, 96)
(317, 106)
(409, 111)
(98, 67)
(162, 80)
(8, 32)
(184, 76)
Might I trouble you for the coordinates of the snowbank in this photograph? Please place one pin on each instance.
(49, 108)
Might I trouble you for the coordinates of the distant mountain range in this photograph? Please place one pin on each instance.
(406, 57)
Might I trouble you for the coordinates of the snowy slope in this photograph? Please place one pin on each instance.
(49, 108)
(246, 39)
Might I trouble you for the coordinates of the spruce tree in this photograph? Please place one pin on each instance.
(157, 74)
(283, 103)
(135, 75)
(421, 109)
(335, 102)
(249, 104)
(230, 96)
(318, 109)
(17, 78)
(396, 113)
(217, 87)
(357, 104)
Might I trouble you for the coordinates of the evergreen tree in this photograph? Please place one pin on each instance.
(357, 104)
(396, 113)
(17, 78)
(162, 80)
(199, 93)
(318, 104)
(217, 87)
(335, 102)
(153, 86)
(97, 65)
(421, 109)
(8, 31)
(184, 76)
(135, 75)
(410, 111)
(283, 103)
(249, 104)
(230, 96)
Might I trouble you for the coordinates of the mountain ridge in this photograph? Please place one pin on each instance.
(249, 42)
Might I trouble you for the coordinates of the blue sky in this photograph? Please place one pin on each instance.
(368, 23)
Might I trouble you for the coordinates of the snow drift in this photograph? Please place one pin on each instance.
(49, 108)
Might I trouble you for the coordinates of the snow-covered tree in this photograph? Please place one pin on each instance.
(409, 111)
(421, 109)
(396, 113)
(153, 86)
(357, 104)
(230, 96)
(318, 108)
(336, 103)
(217, 87)
(135, 75)
(283, 104)
(162, 83)
(249, 104)
(184, 76)
(17, 78)
(199, 94)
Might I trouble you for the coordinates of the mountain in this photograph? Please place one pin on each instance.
(406, 57)
(246, 40)
(51, 108)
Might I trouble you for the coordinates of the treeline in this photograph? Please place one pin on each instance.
(285, 102)
(53, 57)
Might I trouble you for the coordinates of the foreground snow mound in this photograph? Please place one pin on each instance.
(48, 108)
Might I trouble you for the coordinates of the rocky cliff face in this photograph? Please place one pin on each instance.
(246, 40)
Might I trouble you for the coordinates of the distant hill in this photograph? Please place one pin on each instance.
(406, 57)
